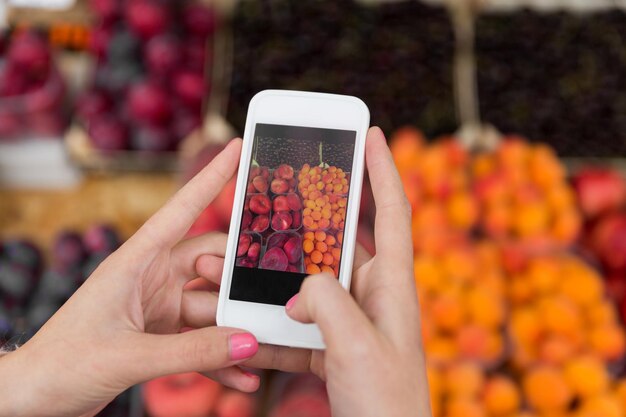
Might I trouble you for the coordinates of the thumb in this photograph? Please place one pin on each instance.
(322, 300)
(199, 350)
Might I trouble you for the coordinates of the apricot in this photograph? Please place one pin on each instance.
(327, 269)
(561, 316)
(501, 396)
(464, 407)
(428, 274)
(463, 379)
(601, 313)
(448, 311)
(546, 389)
(556, 350)
(478, 343)
(497, 219)
(583, 285)
(328, 259)
(462, 210)
(325, 224)
(313, 269)
(484, 308)
(530, 219)
(567, 225)
(601, 406)
(525, 326)
(586, 376)
(316, 257)
(441, 350)
(330, 240)
(336, 252)
(460, 262)
(608, 341)
(543, 274)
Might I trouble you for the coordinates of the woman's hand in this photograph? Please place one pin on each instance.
(122, 326)
(373, 363)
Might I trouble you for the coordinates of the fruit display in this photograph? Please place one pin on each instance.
(514, 321)
(518, 192)
(151, 74)
(534, 81)
(397, 47)
(32, 91)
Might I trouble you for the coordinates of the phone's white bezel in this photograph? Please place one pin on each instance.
(269, 323)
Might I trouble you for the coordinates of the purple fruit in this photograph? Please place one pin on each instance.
(23, 253)
(101, 239)
(254, 251)
(147, 18)
(260, 223)
(293, 268)
(293, 249)
(93, 103)
(195, 55)
(278, 240)
(68, 251)
(275, 259)
(244, 244)
(108, 133)
(107, 10)
(149, 103)
(190, 88)
(152, 139)
(30, 53)
(246, 220)
(99, 41)
(198, 19)
(245, 262)
(163, 54)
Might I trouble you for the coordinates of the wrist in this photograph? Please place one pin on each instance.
(13, 386)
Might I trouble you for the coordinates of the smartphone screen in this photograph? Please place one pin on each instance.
(297, 196)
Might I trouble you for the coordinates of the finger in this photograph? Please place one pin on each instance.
(281, 358)
(361, 257)
(186, 253)
(322, 300)
(198, 308)
(236, 378)
(173, 220)
(199, 350)
(211, 268)
(393, 212)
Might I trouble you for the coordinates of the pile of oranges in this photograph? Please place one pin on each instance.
(514, 324)
(324, 192)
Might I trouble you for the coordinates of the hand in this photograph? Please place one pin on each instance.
(373, 363)
(122, 326)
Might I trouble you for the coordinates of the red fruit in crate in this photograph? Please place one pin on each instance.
(46, 98)
(284, 172)
(280, 203)
(246, 263)
(152, 139)
(108, 133)
(147, 18)
(265, 173)
(244, 244)
(107, 10)
(149, 103)
(199, 19)
(93, 103)
(251, 189)
(246, 219)
(275, 259)
(235, 404)
(13, 81)
(9, 125)
(190, 87)
(254, 171)
(208, 221)
(277, 240)
(293, 268)
(195, 51)
(599, 190)
(281, 220)
(185, 122)
(293, 249)
(254, 251)
(99, 40)
(30, 53)
(260, 184)
(46, 124)
(189, 394)
(294, 202)
(260, 223)
(279, 186)
(163, 54)
(260, 204)
(297, 219)
(608, 240)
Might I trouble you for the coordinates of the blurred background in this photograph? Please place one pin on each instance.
(506, 119)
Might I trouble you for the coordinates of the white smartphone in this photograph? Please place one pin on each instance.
(296, 209)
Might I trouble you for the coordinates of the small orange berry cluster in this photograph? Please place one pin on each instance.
(322, 252)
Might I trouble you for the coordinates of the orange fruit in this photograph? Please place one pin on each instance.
(321, 246)
(324, 223)
(587, 376)
(313, 269)
(316, 257)
(501, 396)
(308, 246)
(320, 236)
(336, 253)
(309, 235)
(328, 259)
(546, 389)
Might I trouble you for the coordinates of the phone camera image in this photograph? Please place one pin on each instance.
(294, 213)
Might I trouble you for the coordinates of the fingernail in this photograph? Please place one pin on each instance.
(291, 302)
(242, 346)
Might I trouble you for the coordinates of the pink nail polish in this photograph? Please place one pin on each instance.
(242, 346)
(291, 302)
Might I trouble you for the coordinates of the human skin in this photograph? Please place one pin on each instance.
(122, 327)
